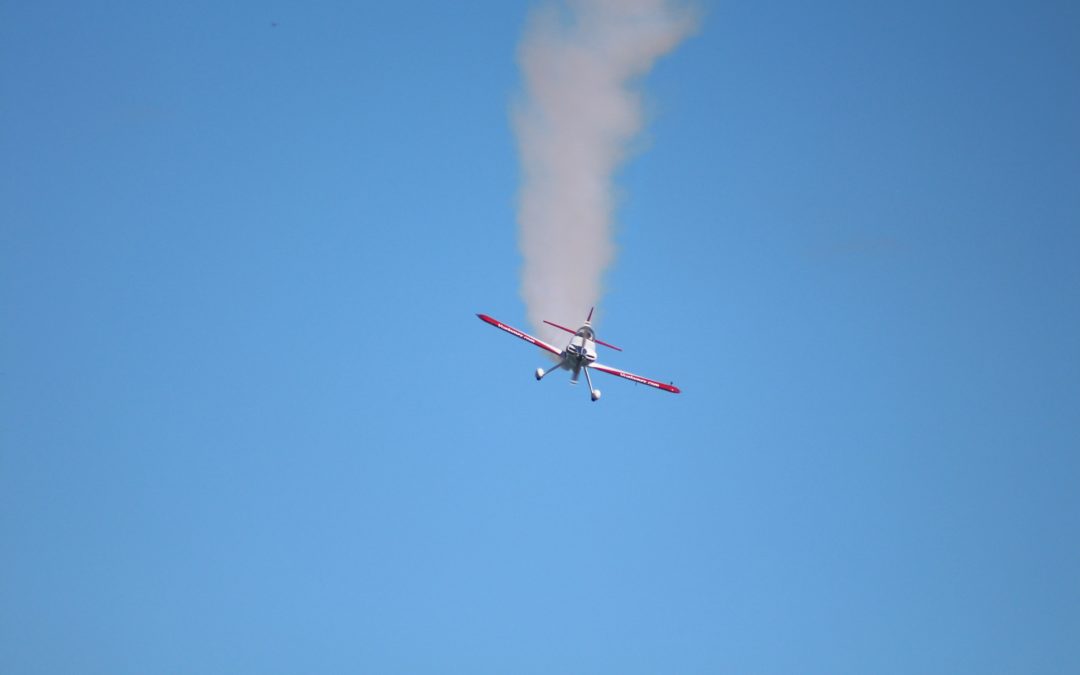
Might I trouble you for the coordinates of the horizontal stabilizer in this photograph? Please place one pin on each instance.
(601, 342)
(572, 332)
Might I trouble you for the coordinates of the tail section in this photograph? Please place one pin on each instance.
(588, 324)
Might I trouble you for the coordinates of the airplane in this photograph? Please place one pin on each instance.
(579, 355)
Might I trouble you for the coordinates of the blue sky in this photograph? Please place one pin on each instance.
(249, 422)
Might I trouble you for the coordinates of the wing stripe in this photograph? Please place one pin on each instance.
(518, 334)
(635, 378)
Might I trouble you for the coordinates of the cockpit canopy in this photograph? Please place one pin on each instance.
(586, 333)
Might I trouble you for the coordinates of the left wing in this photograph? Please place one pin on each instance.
(634, 378)
(518, 334)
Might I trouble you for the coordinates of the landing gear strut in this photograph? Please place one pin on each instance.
(594, 394)
(541, 373)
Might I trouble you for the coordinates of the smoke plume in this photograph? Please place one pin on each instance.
(574, 125)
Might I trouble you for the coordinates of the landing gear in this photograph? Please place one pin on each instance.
(594, 394)
(541, 373)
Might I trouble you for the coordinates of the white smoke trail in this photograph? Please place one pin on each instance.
(574, 125)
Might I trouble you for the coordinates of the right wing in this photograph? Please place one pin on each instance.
(634, 378)
(518, 334)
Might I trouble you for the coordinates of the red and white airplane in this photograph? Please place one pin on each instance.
(579, 355)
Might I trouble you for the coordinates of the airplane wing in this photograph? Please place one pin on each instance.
(634, 378)
(518, 334)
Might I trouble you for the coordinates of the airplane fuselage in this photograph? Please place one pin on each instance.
(578, 354)
(582, 347)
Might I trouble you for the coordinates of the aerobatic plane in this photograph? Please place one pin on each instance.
(579, 355)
